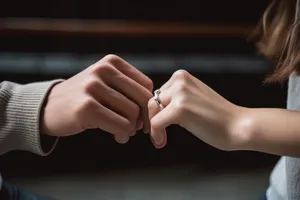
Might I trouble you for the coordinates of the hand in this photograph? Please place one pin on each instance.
(197, 108)
(110, 95)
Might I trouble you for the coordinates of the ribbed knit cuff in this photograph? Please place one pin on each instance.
(22, 115)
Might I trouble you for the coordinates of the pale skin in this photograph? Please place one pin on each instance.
(110, 95)
(194, 106)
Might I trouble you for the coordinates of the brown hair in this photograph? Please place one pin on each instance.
(278, 38)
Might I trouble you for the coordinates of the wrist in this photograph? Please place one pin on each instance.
(45, 129)
(241, 129)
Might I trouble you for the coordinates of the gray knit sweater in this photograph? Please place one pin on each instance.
(20, 109)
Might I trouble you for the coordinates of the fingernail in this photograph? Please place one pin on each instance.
(146, 131)
(122, 139)
(132, 133)
(139, 125)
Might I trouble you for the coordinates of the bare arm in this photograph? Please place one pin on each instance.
(199, 109)
(275, 131)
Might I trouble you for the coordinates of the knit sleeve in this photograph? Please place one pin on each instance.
(20, 110)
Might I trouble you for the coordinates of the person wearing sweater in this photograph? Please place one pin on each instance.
(116, 97)
(110, 95)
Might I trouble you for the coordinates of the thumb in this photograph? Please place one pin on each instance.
(160, 122)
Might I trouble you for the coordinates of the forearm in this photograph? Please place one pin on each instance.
(275, 131)
(20, 110)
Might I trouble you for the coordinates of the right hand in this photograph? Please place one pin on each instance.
(110, 95)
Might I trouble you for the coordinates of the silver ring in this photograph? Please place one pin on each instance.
(157, 99)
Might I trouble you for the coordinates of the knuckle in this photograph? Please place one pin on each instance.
(149, 84)
(126, 128)
(111, 58)
(182, 90)
(133, 115)
(181, 81)
(104, 68)
(181, 86)
(87, 103)
(90, 84)
(83, 106)
(181, 104)
(135, 111)
(181, 74)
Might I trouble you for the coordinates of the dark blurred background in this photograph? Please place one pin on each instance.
(43, 40)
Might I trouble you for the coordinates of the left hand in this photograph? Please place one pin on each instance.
(111, 95)
(194, 106)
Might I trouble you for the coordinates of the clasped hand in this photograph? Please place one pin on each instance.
(114, 96)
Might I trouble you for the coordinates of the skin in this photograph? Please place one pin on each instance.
(114, 96)
(194, 106)
(110, 95)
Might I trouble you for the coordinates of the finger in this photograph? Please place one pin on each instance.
(160, 122)
(153, 108)
(116, 101)
(139, 124)
(179, 74)
(130, 71)
(111, 122)
(144, 116)
(133, 73)
(170, 82)
(161, 145)
(167, 84)
(133, 91)
(122, 139)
